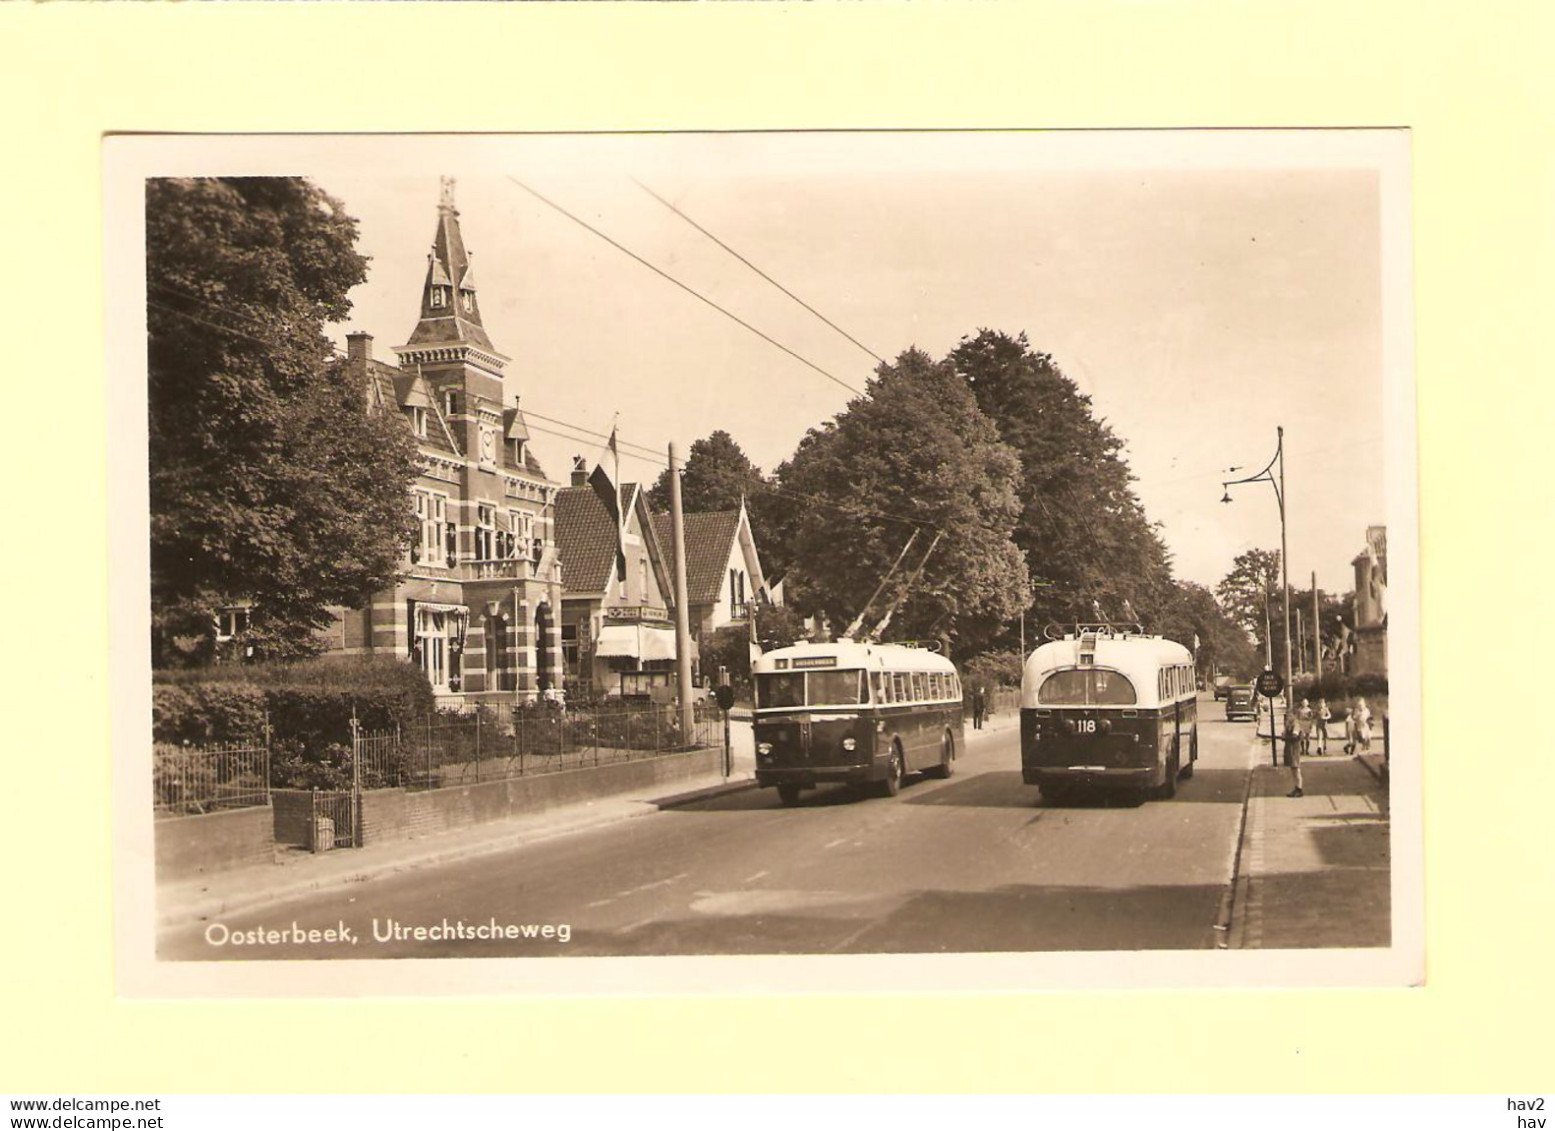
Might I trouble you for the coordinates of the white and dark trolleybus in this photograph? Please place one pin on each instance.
(854, 712)
(1107, 707)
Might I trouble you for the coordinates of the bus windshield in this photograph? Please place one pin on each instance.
(1088, 687)
(780, 689)
(826, 689)
(836, 688)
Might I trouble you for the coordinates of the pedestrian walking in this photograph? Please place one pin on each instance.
(1323, 715)
(979, 707)
(1360, 714)
(1293, 752)
(1306, 717)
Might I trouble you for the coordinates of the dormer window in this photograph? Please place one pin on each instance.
(439, 298)
(469, 301)
(418, 420)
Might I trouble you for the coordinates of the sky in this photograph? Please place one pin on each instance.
(1202, 287)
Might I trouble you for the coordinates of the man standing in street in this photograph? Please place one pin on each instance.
(979, 707)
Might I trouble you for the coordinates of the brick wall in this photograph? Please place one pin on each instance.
(214, 842)
(392, 814)
(293, 813)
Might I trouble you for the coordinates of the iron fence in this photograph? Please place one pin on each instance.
(188, 780)
(448, 750)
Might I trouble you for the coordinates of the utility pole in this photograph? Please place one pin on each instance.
(682, 610)
(1317, 631)
(1284, 557)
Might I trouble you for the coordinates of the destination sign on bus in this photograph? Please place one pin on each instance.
(815, 662)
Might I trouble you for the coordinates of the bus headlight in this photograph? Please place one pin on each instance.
(850, 744)
(763, 748)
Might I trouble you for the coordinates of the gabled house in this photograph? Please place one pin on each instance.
(724, 578)
(478, 602)
(617, 632)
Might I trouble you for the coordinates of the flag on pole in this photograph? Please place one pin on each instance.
(607, 485)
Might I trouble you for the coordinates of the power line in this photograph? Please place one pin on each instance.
(693, 293)
(758, 270)
(655, 456)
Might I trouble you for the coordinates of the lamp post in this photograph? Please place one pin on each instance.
(1268, 475)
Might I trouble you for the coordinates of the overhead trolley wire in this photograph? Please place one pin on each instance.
(656, 456)
(758, 270)
(689, 290)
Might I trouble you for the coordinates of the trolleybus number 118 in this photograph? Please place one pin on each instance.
(1086, 726)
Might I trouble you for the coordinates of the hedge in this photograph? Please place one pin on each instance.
(310, 703)
(1339, 686)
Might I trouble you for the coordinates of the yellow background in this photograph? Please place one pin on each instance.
(1474, 87)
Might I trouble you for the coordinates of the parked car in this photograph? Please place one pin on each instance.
(1241, 702)
(1222, 685)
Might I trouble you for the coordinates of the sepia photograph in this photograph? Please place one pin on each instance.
(989, 555)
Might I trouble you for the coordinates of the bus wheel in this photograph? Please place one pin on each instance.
(947, 758)
(893, 773)
(1055, 793)
(1193, 757)
(1168, 788)
(788, 793)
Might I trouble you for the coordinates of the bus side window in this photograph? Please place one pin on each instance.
(882, 687)
(898, 687)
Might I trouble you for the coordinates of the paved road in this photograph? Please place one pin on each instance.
(975, 863)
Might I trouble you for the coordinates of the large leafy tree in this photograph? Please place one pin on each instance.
(271, 483)
(1193, 615)
(1084, 534)
(718, 474)
(915, 452)
(1251, 588)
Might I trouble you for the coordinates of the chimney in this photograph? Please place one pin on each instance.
(359, 352)
(580, 471)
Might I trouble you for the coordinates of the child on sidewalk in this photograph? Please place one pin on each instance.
(1293, 741)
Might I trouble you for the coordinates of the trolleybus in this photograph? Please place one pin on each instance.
(854, 712)
(1108, 706)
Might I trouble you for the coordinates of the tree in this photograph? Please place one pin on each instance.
(271, 484)
(1251, 590)
(1192, 614)
(1083, 531)
(914, 452)
(717, 475)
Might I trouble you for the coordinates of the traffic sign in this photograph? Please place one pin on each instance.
(724, 695)
(1270, 684)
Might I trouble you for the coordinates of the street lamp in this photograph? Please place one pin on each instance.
(1267, 475)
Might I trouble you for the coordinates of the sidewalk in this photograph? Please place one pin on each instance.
(298, 873)
(1313, 871)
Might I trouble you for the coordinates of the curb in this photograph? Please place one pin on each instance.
(233, 904)
(1379, 771)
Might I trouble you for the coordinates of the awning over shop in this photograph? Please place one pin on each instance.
(618, 640)
(658, 643)
(639, 642)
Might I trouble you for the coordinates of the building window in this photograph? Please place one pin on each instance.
(642, 580)
(438, 298)
(469, 301)
(418, 420)
(231, 621)
(450, 403)
(485, 532)
(432, 513)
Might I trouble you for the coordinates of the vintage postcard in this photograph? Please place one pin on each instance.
(769, 562)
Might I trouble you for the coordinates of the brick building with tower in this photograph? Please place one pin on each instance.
(478, 603)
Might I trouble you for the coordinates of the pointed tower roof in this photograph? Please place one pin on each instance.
(445, 320)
